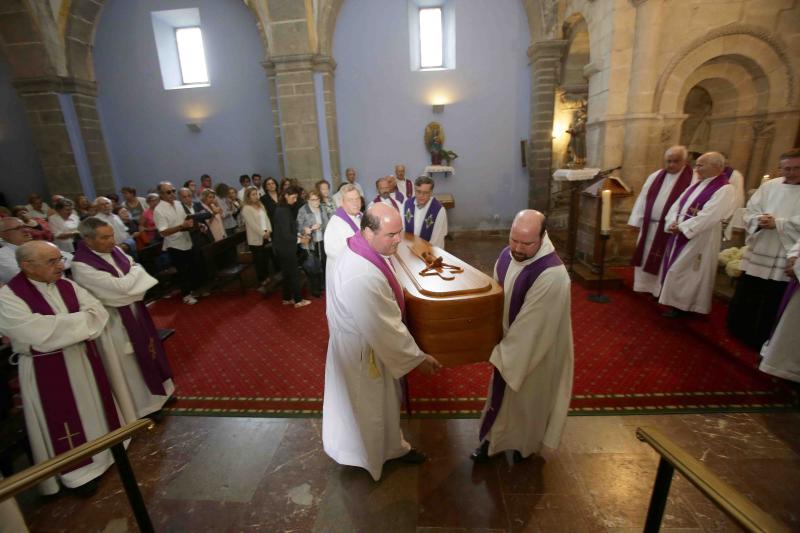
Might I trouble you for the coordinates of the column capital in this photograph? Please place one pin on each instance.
(552, 49)
(299, 62)
(323, 63)
(55, 84)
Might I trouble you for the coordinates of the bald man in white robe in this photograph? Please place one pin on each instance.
(369, 350)
(66, 398)
(531, 386)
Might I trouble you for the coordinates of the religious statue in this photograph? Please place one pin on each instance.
(576, 157)
(434, 143)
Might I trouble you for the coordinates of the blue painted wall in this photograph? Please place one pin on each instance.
(383, 107)
(145, 125)
(20, 168)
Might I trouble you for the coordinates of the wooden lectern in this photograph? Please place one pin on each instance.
(453, 310)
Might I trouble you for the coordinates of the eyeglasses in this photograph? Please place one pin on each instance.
(170, 191)
(53, 262)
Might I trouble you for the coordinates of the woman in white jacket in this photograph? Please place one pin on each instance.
(258, 229)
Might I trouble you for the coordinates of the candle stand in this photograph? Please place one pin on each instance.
(599, 297)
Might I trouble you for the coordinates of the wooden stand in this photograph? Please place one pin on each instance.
(599, 297)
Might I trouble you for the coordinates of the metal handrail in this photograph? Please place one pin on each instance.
(29, 477)
(728, 499)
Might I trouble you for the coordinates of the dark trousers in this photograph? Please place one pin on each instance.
(260, 261)
(189, 272)
(316, 280)
(291, 278)
(753, 309)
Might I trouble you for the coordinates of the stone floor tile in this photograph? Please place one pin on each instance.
(595, 434)
(551, 513)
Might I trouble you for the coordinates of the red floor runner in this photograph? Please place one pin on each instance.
(245, 355)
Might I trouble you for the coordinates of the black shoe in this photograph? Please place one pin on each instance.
(673, 313)
(172, 399)
(157, 416)
(481, 453)
(414, 457)
(518, 457)
(86, 490)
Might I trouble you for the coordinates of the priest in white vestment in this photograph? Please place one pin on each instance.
(531, 387)
(385, 188)
(425, 216)
(345, 222)
(136, 393)
(350, 177)
(66, 400)
(369, 350)
(661, 189)
(781, 352)
(695, 222)
(402, 184)
(772, 222)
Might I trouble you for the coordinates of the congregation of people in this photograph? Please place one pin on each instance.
(91, 358)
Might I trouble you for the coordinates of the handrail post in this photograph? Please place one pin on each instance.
(658, 499)
(132, 488)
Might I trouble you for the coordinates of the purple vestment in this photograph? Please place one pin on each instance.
(427, 227)
(52, 379)
(377, 200)
(525, 280)
(139, 325)
(344, 216)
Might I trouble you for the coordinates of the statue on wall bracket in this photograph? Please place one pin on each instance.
(576, 151)
(434, 143)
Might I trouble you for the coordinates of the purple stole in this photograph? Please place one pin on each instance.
(525, 280)
(677, 241)
(409, 188)
(656, 253)
(394, 204)
(791, 289)
(344, 216)
(52, 380)
(427, 226)
(141, 331)
(359, 245)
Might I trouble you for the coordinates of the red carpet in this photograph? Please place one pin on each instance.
(244, 355)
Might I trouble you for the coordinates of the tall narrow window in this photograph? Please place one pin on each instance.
(430, 38)
(192, 56)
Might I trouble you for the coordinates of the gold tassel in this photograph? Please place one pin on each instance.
(374, 371)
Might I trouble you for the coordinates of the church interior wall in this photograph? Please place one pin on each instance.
(145, 125)
(383, 107)
(22, 170)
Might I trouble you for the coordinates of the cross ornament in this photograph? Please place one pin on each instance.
(409, 215)
(693, 210)
(428, 221)
(68, 436)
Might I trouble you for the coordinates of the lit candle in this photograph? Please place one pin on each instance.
(765, 179)
(605, 212)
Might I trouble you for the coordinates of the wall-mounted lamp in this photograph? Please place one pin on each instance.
(194, 127)
(438, 108)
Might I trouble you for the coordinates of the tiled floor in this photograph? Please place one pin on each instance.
(239, 474)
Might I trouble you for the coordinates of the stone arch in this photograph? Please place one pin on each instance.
(79, 30)
(731, 81)
(747, 45)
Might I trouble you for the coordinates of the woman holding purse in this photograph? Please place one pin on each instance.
(311, 222)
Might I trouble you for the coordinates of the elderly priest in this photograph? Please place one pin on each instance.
(423, 215)
(531, 384)
(133, 355)
(369, 349)
(66, 397)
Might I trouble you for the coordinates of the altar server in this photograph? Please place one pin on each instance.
(695, 222)
(66, 398)
(772, 221)
(369, 349)
(659, 192)
(531, 385)
(424, 215)
(781, 355)
(133, 355)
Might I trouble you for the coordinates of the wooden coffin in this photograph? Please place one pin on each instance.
(458, 320)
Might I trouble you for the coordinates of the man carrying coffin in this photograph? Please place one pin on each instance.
(772, 221)
(66, 397)
(695, 224)
(531, 386)
(369, 349)
(133, 355)
(659, 192)
(424, 216)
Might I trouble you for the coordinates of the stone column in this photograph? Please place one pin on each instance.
(85, 102)
(297, 118)
(49, 129)
(269, 67)
(326, 65)
(545, 57)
